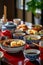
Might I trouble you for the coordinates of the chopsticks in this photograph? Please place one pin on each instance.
(37, 45)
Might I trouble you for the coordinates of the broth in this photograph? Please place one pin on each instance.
(31, 53)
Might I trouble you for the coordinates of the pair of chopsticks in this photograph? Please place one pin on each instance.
(37, 45)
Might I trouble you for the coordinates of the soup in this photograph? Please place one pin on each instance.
(31, 53)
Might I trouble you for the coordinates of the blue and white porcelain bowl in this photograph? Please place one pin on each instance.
(32, 54)
(10, 26)
(18, 35)
(32, 38)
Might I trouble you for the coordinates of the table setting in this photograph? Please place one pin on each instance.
(21, 44)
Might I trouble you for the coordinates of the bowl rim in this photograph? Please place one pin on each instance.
(18, 33)
(39, 37)
(15, 46)
(34, 50)
(17, 19)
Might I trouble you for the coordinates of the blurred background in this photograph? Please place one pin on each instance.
(10, 9)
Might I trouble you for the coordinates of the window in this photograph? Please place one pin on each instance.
(20, 4)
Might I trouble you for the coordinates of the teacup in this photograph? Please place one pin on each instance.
(32, 54)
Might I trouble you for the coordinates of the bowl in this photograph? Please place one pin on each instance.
(17, 21)
(10, 26)
(22, 27)
(37, 27)
(32, 32)
(31, 54)
(32, 38)
(1, 55)
(41, 32)
(18, 35)
(13, 45)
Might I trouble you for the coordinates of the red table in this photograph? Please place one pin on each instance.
(19, 59)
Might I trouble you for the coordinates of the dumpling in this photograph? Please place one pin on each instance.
(13, 44)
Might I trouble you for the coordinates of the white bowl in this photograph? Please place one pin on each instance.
(13, 49)
(17, 21)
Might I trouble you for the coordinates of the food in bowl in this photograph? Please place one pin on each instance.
(17, 21)
(41, 32)
(18, 31)
(22, 27)
(31, 32)
(32, 38)
(31, 54)
(18, 35)
(13, 45)
(37, 27)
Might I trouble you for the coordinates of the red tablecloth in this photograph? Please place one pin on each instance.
(19, 59)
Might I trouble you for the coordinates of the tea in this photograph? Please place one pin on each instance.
(31, 53)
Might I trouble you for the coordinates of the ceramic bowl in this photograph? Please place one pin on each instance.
(10, 26)
(18, 35)
(28, 39)
(15, 49)
(31, 54)
(17, 21)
